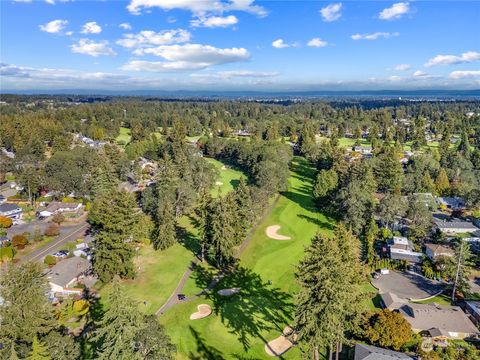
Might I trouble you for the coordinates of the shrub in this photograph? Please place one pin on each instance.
(58, 218)
(5, 222)
(50, 260)
(37, 235)
(7, 253)
(52, 230)
(19, 241)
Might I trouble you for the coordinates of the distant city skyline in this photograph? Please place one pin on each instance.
(239, 45)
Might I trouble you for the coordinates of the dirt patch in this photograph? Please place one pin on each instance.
(281, 344)
(204, 310)
(272, 233)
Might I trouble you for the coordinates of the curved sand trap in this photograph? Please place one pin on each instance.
(281, 344)
(228, 292)
(223, 168)
(271, 232)
(204, 310)
(218, 183)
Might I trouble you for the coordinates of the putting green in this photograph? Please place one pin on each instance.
(124, 137)
(228, 178)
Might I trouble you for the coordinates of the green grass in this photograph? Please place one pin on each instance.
(242, 324)
(124, 136)
(228, 178)
(439, 299)
(158, 273)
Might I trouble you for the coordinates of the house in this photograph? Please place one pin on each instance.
(401, 248)
(12, 211)
(364, 150)
(66, 273)
(473, 308)
(455, 226)
(368, 352)
(439, 321)
(56, 207)
(434, 251)
(391, 301)
(452, 203)
(242, 133)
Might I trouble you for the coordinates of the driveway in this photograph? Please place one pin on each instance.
(407, 285)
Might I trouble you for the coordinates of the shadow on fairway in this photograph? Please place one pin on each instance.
(257, 308)
(304, 200)
(204, 351)
(320, 223)
(189, 240)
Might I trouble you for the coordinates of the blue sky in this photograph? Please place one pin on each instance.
(239, 45)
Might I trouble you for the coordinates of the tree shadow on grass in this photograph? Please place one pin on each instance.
(320, 223)
(257, 308)
(188, 239)
(204, 351)
(303, 199)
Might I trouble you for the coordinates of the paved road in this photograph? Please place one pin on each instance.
(67, 233)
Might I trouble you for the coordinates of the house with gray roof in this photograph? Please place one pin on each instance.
(440, 321)
(434, 251)
(402, 249)
(13, 211)
(455, 226)
(391, 301)
(66, 273)
(368, 352)
(452, 203)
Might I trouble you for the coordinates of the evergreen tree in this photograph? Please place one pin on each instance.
(39, 351)
(325, 183)
(329, 298)
(23, 288)
(13, 352)
(165, 232)
(441, 182)
(152, 342)
(464, 145)
(369, 237)
(388, 170)
(460, 268)
(116, 332)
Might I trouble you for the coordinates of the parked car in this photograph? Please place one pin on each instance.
(61, 254)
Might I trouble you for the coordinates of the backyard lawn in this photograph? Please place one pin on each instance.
(242, 324)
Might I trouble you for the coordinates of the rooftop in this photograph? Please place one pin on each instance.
(67, 270)
(368, 352)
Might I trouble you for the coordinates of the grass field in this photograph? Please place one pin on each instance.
(228, 179)
(124, 136)
(242, 324)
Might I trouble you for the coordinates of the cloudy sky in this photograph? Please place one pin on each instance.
(239, 45)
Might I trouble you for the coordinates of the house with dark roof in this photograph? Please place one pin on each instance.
(391, 301)
(439, 321)
(452, 203)
(473, 308)
(12, 211)
(401, 248)
(66, 273)
(454, 226)
(368, 352)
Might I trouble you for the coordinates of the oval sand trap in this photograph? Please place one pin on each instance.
(271, 232)
(204, 310)
(218, 183)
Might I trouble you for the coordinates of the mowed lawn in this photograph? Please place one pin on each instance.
(243, 323)
(228, 178)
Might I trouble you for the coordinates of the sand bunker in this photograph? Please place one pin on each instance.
(271, 232)
(281, 344)
(228, 292)
(218, 183)
(223, 168)
(204, 310)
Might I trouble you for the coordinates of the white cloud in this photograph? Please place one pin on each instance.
(22, 1)
(419, 73)
(214, 21)
(402, 67)
(54, 26)
(374, 36)
(53, 2)
(331, 12)
(69, 33)
(462, 74)
(125, 26)
(280, 44)
(317, 42)
(91, 28)
(151, 38)
(396, 11)
(198, 7)
(467, 57)
(92, 48)
(186, 57)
